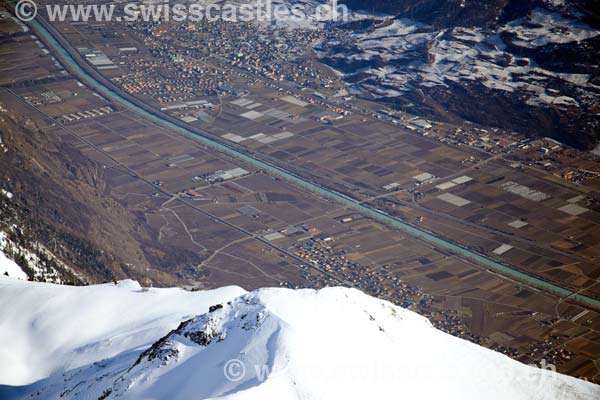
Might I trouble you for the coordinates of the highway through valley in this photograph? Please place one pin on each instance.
(74, 64)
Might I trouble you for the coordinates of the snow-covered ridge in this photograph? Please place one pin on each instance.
(54, 328)
(126, 342)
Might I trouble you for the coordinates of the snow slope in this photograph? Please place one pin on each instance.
(53, 328)
(406, 53)
(334, 343)
(8, 266)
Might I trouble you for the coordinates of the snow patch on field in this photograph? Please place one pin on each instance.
(543, 27)
(3, 192)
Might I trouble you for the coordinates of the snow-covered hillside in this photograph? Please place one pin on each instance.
(94, 343)
(7, 266)
(53, 328)
(391, 59)
(539, 63)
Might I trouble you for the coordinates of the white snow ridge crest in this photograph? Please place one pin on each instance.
(334, 343)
